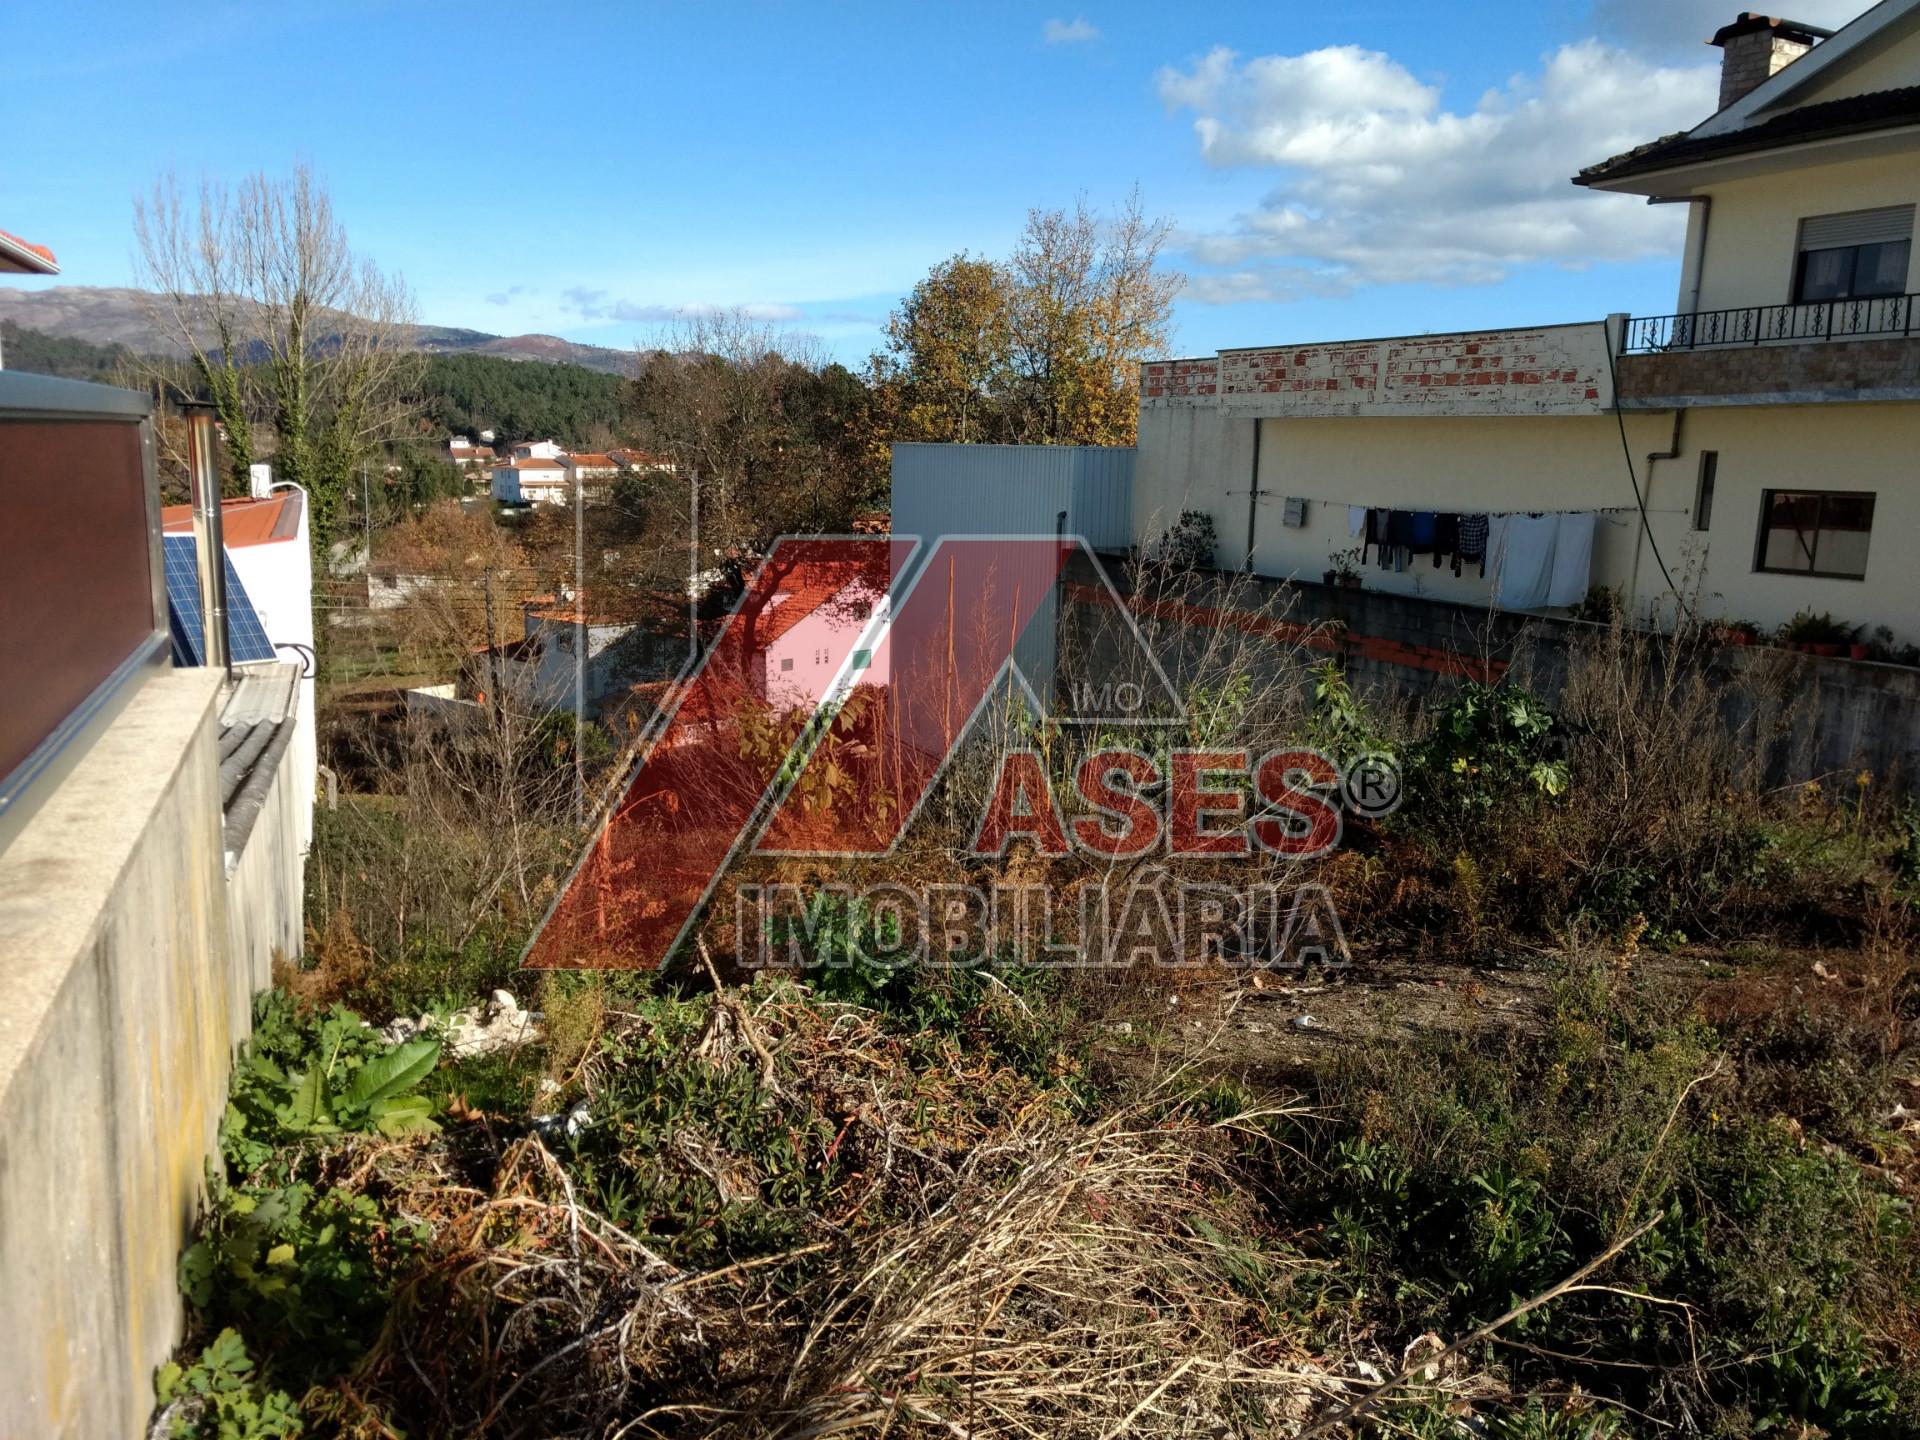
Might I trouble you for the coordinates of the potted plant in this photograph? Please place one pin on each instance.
(1819, 634)
(1887, 648)
(1732, 632)
(1345, 572)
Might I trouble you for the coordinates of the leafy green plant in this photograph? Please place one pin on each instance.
(1340, 726)
(321, 1076)
(1188, 544)
(1491, 744)
(312, 1268)
(219, 1397)
(1808, 628)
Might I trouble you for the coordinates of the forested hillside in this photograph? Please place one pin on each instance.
(522, 398)
(56, 355)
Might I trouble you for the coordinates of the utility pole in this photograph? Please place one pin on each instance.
(579, 648)
(366, 513)
(693, 571)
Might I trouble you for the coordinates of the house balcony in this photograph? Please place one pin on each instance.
(1824, 351)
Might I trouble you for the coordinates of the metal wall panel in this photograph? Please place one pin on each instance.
(1016, 490)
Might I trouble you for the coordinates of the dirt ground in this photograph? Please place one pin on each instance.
(1269, 1030)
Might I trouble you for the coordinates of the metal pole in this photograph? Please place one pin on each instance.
(366, 515)
(693, 571)
(579, 647)
(209, 543)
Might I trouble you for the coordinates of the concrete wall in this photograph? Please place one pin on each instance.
(1551, 370)
(1840, 716)
(120, 1003)
(266, 884)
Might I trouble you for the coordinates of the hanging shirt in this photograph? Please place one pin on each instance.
(1471, 543)
(1523, 564)
(1572, 559)
(1473, 538)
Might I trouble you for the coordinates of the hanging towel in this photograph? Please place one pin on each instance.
(1523, 564)
(1356, 520)
(1473, 543)
(1572, 559)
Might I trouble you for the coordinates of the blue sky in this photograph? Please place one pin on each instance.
(1385, 167)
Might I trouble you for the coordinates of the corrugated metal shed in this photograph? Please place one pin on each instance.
(1014, 490)
(942, 490)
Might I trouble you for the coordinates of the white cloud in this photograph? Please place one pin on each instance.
(1378, 183)
(506, 296)
(594, 305)
(1679, 29)
(1076, 31)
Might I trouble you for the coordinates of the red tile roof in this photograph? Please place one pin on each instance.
(244, 522)
(23, 257)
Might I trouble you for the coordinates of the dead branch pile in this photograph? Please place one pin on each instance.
(980, 1266)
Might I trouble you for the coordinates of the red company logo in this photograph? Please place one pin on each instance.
(820, 718)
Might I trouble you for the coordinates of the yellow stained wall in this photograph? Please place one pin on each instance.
(1465, 463)
(1753, 233)
(1193, 457)
(1814, 447)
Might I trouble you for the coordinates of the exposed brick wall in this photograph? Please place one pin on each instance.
(1840, 368)
(1179, 379)
(1559, 370)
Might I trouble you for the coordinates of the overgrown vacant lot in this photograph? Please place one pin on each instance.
(1608, 1130)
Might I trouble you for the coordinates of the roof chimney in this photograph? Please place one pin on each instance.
(1756, 47)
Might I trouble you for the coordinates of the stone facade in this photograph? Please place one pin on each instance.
(1773, 374)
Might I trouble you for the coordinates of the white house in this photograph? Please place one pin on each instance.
(530, 482)
(468, 455)
(535, 450)
(639, 462)
(588, 469)
(267, 541)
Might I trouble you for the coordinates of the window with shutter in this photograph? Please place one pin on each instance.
(1855, 255)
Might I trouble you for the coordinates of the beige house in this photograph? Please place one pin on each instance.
(1769, 429)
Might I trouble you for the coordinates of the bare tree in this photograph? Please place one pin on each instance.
(299, 343)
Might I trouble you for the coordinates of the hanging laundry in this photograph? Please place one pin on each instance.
(1356, 521)
(1572, 559)
(1446, 539)
(1376, 535)
(1523, 562)
(1422, 525)
(1472, 543)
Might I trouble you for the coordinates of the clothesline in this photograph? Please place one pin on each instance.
(1539, 559)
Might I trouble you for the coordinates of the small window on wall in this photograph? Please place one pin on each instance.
(1703, 489)
(1855, 256)
(1815, 532)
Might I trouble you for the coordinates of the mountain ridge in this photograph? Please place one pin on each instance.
(118, 315)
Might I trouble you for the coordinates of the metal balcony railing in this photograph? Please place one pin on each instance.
(1763, 324)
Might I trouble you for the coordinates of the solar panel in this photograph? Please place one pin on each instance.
(246, 637)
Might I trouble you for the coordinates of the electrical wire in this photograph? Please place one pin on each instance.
(1626, 451)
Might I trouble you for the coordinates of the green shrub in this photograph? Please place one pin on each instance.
(1458, 1180)
(218, 1397)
